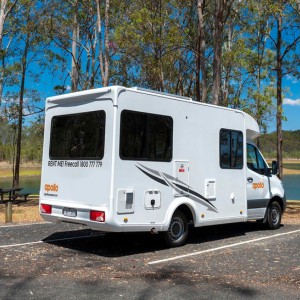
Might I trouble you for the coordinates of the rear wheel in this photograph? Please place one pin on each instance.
(178, 230)
(274, 214)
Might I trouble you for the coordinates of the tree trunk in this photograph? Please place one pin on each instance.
(4, 11)
(279, 94)
(258, 104)
(219, 8)
(2, 20)
(16, 175)
(201, 66)
(1, 86)
(74, 67)
(92, 79)
(103, 53)
(106, 61)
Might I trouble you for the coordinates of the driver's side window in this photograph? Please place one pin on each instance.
(255, 162)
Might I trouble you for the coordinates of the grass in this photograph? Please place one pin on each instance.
(290, 166)
(23, 172)
(293, 166)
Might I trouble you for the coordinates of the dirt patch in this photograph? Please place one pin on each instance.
(8, 165)
(292, 214)
(25, 212)
(290, 172)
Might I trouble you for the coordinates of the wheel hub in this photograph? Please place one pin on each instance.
(176, 229)
(274, 215)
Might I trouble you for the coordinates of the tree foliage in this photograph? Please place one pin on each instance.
(291, 146)
(231, 53)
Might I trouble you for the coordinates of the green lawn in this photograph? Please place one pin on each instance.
(292, 166)
(23, 172)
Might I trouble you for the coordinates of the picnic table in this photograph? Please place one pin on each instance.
(12, 194)
(8, 196)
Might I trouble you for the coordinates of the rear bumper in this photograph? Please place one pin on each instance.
(104, 227)
(83, 218)
(82, 215)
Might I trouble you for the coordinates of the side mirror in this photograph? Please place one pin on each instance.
(274, 167)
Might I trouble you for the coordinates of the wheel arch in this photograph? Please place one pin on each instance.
(281, 202)
(188, 211)
(186, 206)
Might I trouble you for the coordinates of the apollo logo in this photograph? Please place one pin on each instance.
(51, 187)
(259, 185)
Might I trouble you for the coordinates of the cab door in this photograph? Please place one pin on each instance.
(258, 183)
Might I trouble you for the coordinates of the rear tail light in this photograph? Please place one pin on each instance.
(46, 209)
(98, 216)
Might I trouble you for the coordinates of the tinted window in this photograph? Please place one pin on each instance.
(255, 161)
(231, 149)
(145, 136)
(78, 136)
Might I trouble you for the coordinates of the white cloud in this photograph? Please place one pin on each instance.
(291, 102)
(293, 79)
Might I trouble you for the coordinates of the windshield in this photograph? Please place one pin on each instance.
(78, 136)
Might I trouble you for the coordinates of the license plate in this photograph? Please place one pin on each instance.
(70, 212)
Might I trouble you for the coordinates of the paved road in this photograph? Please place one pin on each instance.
(47, 261)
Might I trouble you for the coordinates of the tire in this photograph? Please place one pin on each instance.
(273, 217)
(178, 230)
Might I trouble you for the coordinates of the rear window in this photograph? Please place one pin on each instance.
(78, 136)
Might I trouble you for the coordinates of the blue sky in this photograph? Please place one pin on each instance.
(292, 113)
(291, 104)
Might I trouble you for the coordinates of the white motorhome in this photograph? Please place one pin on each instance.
(127, 159)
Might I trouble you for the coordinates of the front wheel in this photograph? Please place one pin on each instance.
(178, 230)
(274, 214)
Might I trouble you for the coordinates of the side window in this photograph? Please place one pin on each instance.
(231, 149)
(145, 136)
(255, 161)
(251, 158)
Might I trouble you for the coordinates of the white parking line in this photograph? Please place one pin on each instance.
(49, 241)
(23, 224)
(222, 247)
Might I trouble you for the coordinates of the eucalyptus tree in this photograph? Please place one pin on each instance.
(252, 57)
(68, 22)
(222, 13)
(285, 38)
(104, 46)
(29, 47)
(6, 9)
(261, 58)
(149, 39)
(81, 36)
(201, 64)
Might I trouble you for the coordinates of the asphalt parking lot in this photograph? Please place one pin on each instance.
(47, 261)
